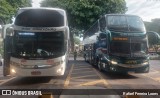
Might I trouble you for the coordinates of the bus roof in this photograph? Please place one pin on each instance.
(40, 8)
(41, 17)
(48, 8)
(120, 15)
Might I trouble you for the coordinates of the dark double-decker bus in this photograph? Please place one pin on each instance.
(117, 43)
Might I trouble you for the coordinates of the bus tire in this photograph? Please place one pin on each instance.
(85, 59)
(1, 64)
(99, 65)
(6, 71)
(107, 69)
(93, 62)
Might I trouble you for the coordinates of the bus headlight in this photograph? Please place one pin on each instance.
(13, 71)
(145, 63)
(60, 70)
(58, 63)
(114, 62)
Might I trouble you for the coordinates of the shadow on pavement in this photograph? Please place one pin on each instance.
(28, 81)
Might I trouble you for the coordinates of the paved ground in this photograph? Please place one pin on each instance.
(82, 78)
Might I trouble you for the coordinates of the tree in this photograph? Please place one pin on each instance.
(8, 9)
(154, 25)
(76, 40)
(154, 40)
(83, 13)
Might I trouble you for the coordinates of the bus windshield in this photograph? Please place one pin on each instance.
(40, 18)
(38, 44)
(125, 23)
(127, 49)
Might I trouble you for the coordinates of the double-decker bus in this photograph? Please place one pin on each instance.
(117, 43)
(36, 44)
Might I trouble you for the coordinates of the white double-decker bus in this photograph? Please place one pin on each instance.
(37, 43)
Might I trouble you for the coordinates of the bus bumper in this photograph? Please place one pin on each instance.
(23, 72)
(120, 69)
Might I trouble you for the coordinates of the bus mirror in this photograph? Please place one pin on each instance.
(102, 35)
(153, 37)
(9, 31)
(97, 37)
(67, 32)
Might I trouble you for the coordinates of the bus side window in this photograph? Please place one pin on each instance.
(103, 40)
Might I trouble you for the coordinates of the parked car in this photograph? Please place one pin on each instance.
(154, 55)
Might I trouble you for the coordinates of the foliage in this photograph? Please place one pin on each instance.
(154, 25)
(82, 13)
(1, 49)
(8, 9)
(76, 40)
(153, 37)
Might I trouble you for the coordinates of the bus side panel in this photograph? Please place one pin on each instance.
(7, 51)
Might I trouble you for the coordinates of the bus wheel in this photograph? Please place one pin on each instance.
(93, 62)
(85, 58)
(99, 65)
(1, 63)
(6, 71)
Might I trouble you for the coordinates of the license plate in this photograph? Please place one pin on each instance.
(35, 73)
(131, 72)
(131, 66)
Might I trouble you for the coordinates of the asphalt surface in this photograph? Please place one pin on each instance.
(83, 80)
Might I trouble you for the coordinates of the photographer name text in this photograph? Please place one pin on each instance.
(140, 93)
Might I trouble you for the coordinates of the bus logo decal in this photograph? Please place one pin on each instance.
(131, 62)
